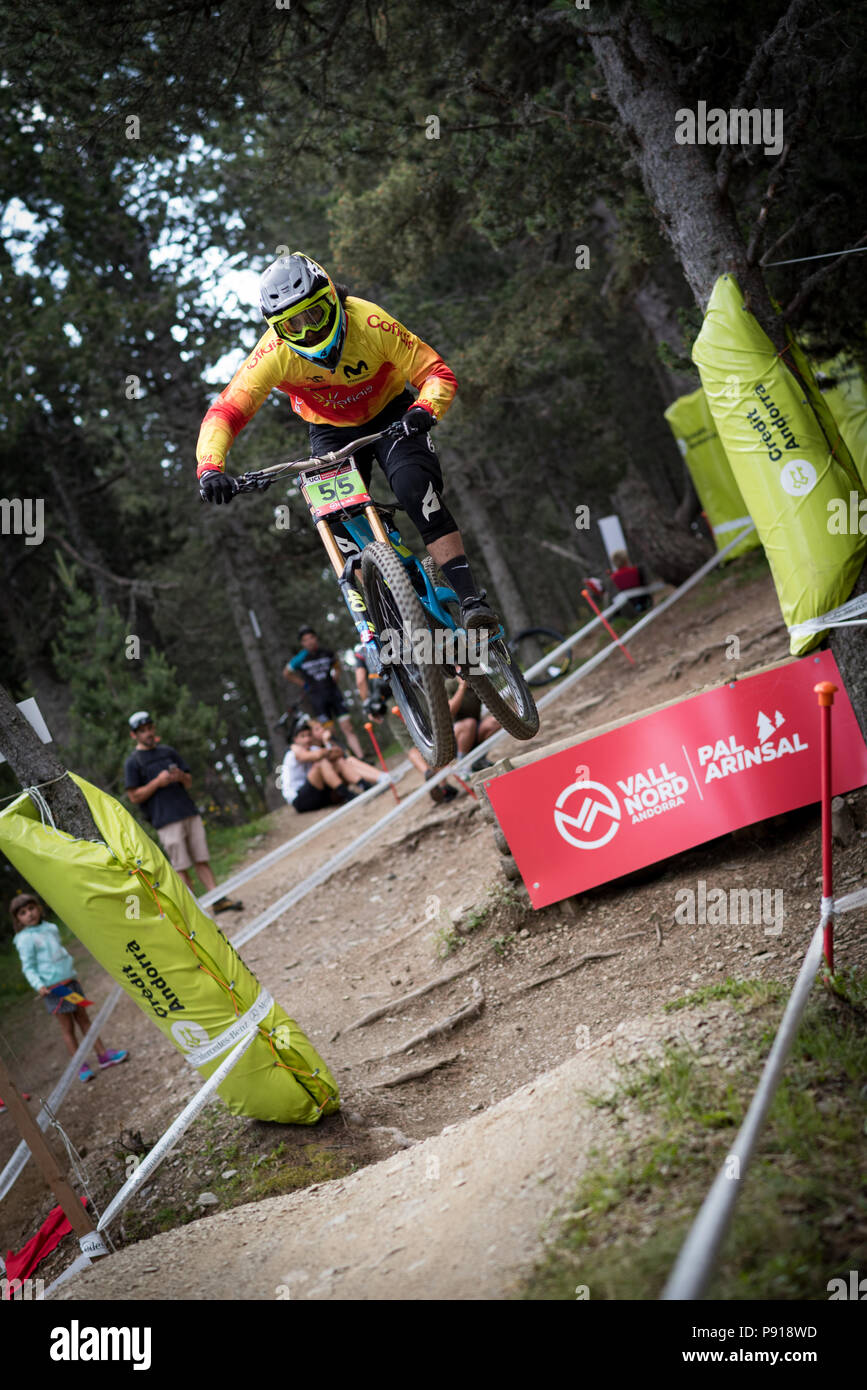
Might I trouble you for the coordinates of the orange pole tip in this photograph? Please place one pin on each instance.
(825, 691)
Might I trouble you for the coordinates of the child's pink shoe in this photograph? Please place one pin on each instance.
(111, 1059)
(84, 1072)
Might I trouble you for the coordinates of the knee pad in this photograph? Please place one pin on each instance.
(419, 492)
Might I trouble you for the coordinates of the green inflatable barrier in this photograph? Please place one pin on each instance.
(843, 386)
(695, 433)
(793, 469)
(130, 909)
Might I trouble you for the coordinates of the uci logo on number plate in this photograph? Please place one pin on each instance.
(332, 490)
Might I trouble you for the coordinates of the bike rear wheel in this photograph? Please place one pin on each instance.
(531, 645)
(417, 685)
(503, 689)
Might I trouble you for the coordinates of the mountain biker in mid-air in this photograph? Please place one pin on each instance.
(344, 363)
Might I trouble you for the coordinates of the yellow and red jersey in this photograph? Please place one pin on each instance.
(379, 357)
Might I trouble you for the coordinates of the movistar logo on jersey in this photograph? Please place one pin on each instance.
(356, 370)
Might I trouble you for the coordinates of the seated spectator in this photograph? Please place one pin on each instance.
(472, 725)
(627, 576)
(315, 776)
(308, 779)
(374, 690)
(355, 772)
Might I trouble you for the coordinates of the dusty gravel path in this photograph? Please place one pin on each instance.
(457, 1216)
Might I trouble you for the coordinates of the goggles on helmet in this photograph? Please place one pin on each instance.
(304, 323)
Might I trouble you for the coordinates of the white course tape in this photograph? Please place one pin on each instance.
(80, 1262)
(201, 1054)
(163, 1146)
(725, 526)
(594, 661)
(92, 1245)
(851, 900)
(21, 1155)
(289, 846)
(852, 613)
(697, 1257)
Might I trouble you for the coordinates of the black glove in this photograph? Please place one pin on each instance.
(215, 486)
(417, 420)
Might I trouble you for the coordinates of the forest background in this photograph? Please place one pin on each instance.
(484, 171)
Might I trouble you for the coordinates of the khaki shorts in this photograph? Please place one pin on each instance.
(184, 842)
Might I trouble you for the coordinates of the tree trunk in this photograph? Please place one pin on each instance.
(655, 540)
(680, 180)
(256, 667)
(700, 222)
(27, 637)
(655, 309)
(653, 306)
(34, 763)
(509, 599)
(247, 564)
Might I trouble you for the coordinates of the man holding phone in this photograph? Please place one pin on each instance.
(158, 780)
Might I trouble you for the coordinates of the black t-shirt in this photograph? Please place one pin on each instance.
(315, 667)
(168, 804)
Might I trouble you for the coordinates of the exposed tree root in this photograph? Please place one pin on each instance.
(416, 1072)
(408, 998)
(557, 974)
(436, 1029)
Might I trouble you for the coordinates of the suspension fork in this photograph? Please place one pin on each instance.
(344, 571)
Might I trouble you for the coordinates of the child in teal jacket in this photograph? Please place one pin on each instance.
(50, 969)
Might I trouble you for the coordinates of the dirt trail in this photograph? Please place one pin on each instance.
(455, 1217)
(510, 1075)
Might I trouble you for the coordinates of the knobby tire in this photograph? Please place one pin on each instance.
(418, 687)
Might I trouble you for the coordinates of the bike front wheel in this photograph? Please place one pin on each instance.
(417, 685)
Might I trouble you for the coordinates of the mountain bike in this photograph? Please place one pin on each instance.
(403, 606)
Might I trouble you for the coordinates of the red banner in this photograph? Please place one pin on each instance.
(674, 779)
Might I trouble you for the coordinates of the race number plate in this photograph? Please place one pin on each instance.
(334, 489)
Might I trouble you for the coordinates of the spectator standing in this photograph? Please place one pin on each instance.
(158, 780)
(316, 668)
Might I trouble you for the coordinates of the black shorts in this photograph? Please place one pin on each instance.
(409, 463)
(312, 798)
(327, 704)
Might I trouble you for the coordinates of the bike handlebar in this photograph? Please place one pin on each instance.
(262, 478)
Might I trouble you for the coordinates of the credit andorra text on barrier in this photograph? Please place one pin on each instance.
(77, 1343)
